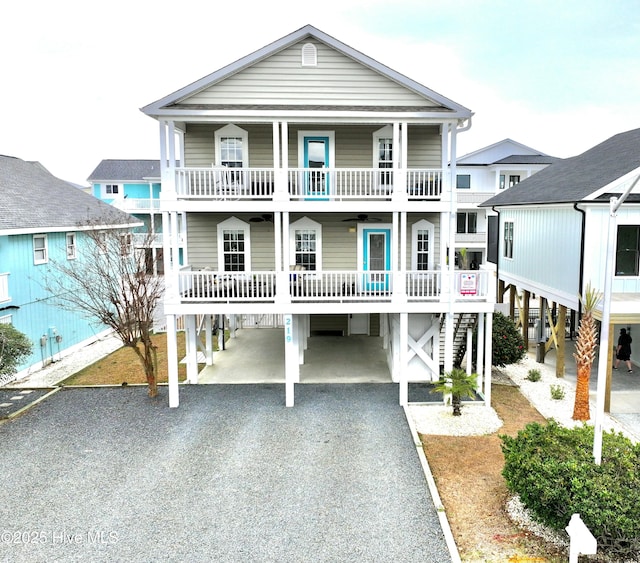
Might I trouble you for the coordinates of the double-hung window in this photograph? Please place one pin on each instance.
(233, 248)
(463, 181)
(71, 246)
(628, 250)
(40, 249)
(508, 239)
(422, 242)
(305, 238)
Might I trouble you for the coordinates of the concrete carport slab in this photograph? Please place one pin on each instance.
(232, 475)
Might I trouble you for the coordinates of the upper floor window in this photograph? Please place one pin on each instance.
(514, 179)
(502, 180)
(112, 189)
(628, 250)
(383, 154)
(233, 246)
(309, 55)
(422, 241)
(508, 239)
(4, 288)
(467, 222)
(40, 249)
(232, 147)
(71, 246)
(306, 241)
(463, 181)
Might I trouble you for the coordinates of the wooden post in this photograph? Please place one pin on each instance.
(541, 346)
(500, 296)
(512, 301)
(525, 313)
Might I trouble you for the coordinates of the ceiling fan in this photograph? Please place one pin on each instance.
(364, 218)
(265, 217)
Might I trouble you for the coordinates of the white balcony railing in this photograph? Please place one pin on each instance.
(329, 286)
(133, 204)
(223, 183)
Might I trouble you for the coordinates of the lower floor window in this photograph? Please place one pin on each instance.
(233, 248)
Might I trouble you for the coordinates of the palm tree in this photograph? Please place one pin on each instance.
(459, 384)
(585, 352)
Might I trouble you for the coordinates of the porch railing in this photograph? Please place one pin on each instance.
(329, 286)
(307, 183)
(133, 204)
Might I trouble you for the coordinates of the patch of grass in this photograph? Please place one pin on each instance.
(123, 366)
(557, 392)
(534, 375)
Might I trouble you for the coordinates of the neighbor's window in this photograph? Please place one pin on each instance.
(126, 244)
(112, 188)
(513, 180)
(627, 250)
(463, 181)
(502, 180)
(71, 246)
(508, 239)
(467, 222)
(40, 250)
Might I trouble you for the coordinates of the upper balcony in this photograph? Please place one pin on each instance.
(137, 205)
(330, 286)
(332, 184)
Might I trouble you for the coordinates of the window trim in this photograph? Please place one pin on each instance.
(466, 223)
(44, 249)
(637, 251)
(73, 246)
(234, 224)
(231, 130)
(305, 224)
(507, 251)
(422, 225)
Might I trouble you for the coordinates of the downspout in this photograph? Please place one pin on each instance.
(581, 273)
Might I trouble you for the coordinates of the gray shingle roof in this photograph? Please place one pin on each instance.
(125, 170)
(574, 179)
(528, 159)
(32, 198)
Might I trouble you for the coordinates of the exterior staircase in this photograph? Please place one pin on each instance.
(461, 322)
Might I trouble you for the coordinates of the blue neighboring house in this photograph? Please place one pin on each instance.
(42, 220)
(134, 186)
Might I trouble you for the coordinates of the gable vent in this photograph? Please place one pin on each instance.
(309, 55)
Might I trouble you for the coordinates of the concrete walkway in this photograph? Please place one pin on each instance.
(232, 475)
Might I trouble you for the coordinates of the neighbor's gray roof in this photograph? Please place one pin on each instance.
(528, 159)
(574, 179)
(114, 170)
(33, 200)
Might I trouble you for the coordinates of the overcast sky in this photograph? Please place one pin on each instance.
(557, 75)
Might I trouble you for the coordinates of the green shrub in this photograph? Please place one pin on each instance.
(534, 375)
(507, 342)
(15, 347)
(557, 392)
(552, 469)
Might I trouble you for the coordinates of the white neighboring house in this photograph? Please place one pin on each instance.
(479, 175)
(317, 185)
(552, 235)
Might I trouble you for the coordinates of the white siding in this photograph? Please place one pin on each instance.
(546, 250)
(281, 79)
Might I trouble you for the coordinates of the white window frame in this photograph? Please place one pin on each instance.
(232, 131)
(466, 222)
(4, 287)
(234, 224)
(422, 225)
(108, 193)
(507, 251)
(305, 224)
(71, 245)
(384, 133)
(44, 257)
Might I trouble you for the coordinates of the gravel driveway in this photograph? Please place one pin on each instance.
(231, 475)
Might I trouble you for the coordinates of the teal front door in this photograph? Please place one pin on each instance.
(376, 246)
(316, 155)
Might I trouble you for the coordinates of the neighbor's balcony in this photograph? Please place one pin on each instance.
(329, 286)
(335, 184)
(137, 205)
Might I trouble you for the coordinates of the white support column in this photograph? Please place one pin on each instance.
(291, 367)
(404, 348)
(172, 360)
(480, 356)
(191, 348)
(400, 289)
(301, 332)
(208, 327)
(487, 367)
(283, 295)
